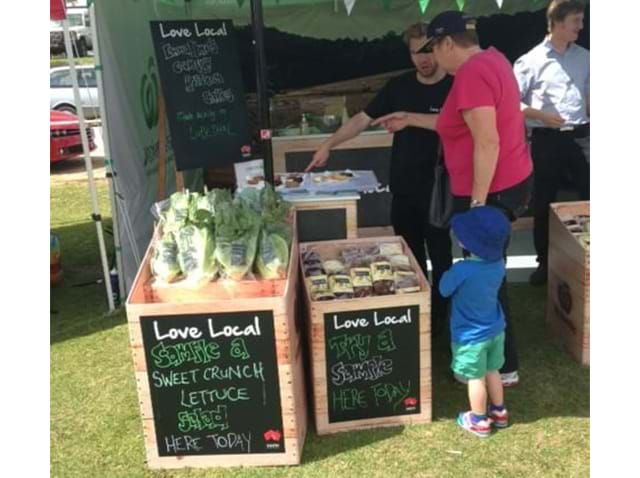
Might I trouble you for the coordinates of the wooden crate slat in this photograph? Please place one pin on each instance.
(568, 288)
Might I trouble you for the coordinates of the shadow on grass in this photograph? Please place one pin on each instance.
(552, 383)
(318, 448)
(79, 305)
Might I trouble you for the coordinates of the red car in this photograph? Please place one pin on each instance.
(65, 139)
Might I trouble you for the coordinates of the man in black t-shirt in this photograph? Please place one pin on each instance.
(413, 156)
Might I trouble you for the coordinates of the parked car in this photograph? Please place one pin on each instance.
(61, 90)
(65, 141)
(79, 29)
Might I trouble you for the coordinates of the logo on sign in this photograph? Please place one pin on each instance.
(265, 134)
(410, 403)
(149, 95)
(272, 437)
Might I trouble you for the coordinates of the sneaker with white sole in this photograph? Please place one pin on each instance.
(480, 429)
(510, 379)
(499, 418)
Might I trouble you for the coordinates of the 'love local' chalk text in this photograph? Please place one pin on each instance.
(184, 333)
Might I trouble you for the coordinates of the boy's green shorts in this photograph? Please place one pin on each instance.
(474, 360)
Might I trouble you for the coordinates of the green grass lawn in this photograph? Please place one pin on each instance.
(96, 428)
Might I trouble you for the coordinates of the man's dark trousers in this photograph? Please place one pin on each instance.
(555, 154)
(409, 216)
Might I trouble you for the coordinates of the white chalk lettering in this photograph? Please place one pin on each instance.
(240, 441)
(175, 32)
(392, 319)
(175, 333)
(211, 32)
(177, 444)
(348, 324)
(236, 331)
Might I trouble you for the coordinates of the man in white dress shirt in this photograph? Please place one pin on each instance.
(554, 86)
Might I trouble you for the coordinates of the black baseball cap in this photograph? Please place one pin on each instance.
(446, 23)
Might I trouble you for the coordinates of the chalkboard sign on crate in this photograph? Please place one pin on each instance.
(219, 371)
(370, 356)
(203, 91)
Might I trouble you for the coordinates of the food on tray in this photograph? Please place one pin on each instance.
(255, 180)
(329, 177)
(289, 180)
(400, 262)
(362, 282)
(406, 282)
(341, 286)
(333, 266)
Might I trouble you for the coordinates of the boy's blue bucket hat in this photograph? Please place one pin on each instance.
(483, 231)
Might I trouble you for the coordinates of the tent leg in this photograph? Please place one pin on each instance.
(87, 161)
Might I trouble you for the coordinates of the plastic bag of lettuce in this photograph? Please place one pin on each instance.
(187, 246)
(237, 229)
(272, 260)
(215, 233)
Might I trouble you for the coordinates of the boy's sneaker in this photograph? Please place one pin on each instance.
(510, 379)
(480, 429)
(499, 418)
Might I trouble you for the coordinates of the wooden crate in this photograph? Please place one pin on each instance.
(568, 283)
(316, 319)
(278, 299)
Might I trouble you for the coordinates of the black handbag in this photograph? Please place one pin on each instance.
(441, 205)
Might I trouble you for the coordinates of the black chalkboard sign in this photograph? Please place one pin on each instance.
(321, 224)
(373, 363)
(214, 383)
(203, 91)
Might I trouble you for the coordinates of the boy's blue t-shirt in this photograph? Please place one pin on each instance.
(476, 313)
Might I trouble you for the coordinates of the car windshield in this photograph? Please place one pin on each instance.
(62, 78)
(75, 20)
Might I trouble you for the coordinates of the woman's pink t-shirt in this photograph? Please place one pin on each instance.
(486, 79)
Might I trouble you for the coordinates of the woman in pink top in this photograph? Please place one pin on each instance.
(482, 131)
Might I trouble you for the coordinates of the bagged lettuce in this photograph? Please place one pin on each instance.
(251, 198)
(164, 262)
(272, 259)
(196, 247)
(178, 213)
(237, 230)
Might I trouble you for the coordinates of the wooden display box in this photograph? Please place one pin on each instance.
(222, 416)
(568, 283)
(403, 396)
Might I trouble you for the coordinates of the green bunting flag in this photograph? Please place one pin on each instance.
(423, 5)
(460, 4)
(386, 4)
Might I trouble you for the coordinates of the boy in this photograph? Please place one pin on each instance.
(477, 318)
